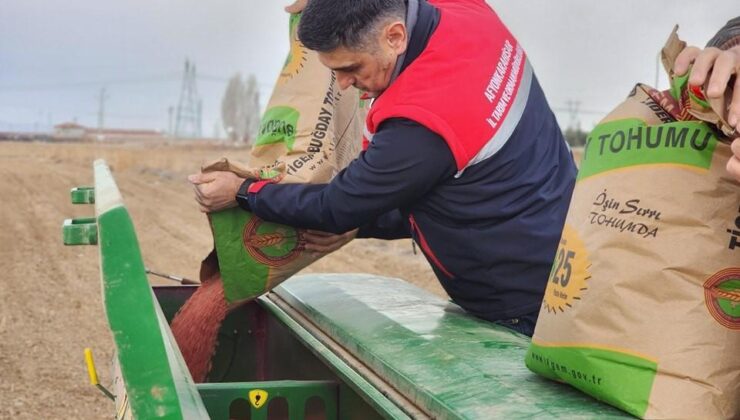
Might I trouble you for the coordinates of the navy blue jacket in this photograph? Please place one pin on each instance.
(489, 234)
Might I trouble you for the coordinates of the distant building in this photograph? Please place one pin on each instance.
(74, 131)
(69, 130)
(115, 134)
(24, 136)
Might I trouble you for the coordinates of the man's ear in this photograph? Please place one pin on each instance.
(296, 7)
(396, 37)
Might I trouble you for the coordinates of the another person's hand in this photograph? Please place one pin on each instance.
(718, 66)
(324, 242)
(296, 7)
(733, 165)
(215, 190)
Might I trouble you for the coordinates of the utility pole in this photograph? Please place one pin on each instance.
(217, 130)
(37, 122)
(188, 118)
(572, 107)
(170, 127)
(102, 97)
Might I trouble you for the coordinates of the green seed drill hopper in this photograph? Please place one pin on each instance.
(333, 346)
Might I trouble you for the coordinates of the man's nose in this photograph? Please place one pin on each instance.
(345, 80)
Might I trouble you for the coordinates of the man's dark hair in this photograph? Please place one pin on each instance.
(728, 36)
(328, 24)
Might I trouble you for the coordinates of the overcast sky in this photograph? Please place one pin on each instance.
(55, 57)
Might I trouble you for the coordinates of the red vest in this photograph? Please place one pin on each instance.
(463, 85)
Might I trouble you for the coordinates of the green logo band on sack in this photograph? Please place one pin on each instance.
(630, 142)
(597, 371)
(278, 126)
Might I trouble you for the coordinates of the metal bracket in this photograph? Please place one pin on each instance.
(82, 231)
(82, 195)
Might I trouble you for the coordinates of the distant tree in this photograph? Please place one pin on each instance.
(575, 136)
(251, 109)
(230, 107)
(240, 109)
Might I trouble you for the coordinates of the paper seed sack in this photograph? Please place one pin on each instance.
(642, 307)
(309, 131)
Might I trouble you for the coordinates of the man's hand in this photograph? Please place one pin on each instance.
(718, 66)
(296, 7)
(317, 241)
(215, 190)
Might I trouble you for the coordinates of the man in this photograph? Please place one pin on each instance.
(465, 155)
(716, 65)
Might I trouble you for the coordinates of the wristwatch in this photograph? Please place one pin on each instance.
(242, 195)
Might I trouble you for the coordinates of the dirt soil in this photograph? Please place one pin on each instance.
(50, 299)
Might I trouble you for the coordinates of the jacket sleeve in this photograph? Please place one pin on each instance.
(390, 225)
(404, 162)
(728, 36)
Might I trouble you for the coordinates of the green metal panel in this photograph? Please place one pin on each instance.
(218, 397)
(82, 231)
(157, 381)
(82, 195)
(346, 373)
(448, 363)
(255, 345)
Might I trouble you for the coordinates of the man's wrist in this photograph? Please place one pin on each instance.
(242, 195)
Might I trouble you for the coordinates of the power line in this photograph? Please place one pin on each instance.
(212, 78)
(580, 110)
(169, 77)
(117, 116)
(156, 78)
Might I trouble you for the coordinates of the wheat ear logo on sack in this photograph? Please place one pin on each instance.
(722, 297)
(297, 56)
(569, 274)
(272, 244)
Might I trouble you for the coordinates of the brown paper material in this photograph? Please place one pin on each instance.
(310, 130)
(642, 307)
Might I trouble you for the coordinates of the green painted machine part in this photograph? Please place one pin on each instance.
(80, 231)
(296, 400)
(156, 379)
(340, 346)
(442, 360)
(261, 344)
(83, 195)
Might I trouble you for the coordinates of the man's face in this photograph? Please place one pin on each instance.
(368, 69)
